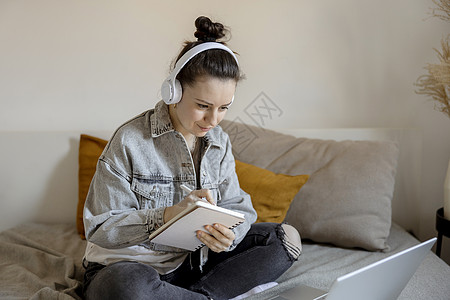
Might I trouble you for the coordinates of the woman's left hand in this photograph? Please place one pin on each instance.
(218, 239)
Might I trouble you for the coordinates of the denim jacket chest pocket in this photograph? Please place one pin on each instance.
(210, 180)
(214, 189)
(152, 191)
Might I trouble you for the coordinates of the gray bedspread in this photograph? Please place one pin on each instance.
(40, 261)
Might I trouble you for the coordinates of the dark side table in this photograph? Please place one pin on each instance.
(442, 227)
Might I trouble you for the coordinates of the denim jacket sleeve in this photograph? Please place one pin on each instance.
(232, 196)
(112, 216)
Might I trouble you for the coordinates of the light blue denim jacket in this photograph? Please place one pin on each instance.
(140, 172)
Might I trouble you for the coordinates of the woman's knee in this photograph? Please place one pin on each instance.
(122, 280)
(271, 233)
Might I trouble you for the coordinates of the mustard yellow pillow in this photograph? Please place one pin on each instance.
(271, 193)
(90, 150)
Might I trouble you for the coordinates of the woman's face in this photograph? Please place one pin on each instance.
(202, 106)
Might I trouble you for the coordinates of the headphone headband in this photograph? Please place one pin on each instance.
(171, 91)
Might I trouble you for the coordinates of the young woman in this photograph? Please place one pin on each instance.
(137, 188)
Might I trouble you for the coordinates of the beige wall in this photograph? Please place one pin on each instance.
(91, 64)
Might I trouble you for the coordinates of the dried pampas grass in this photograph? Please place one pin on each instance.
(442, 11)
(436, 83)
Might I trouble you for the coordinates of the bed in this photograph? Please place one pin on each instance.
(41, 247)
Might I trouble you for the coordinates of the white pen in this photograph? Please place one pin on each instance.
(189, 190)
(186, 188)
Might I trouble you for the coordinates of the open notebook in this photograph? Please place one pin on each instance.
(181, 230)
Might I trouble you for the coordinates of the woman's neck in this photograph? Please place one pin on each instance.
(192, 143)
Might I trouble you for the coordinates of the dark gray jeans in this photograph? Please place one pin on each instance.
(261, 257)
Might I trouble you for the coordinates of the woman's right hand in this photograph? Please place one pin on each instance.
(196, 195)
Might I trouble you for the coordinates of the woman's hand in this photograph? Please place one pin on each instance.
(218, 239)
(193, 196)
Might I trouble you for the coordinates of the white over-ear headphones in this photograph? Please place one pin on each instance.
(171, 90)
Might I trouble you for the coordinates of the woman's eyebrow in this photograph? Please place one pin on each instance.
(206, 102)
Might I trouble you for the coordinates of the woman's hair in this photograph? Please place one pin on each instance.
(216, 63)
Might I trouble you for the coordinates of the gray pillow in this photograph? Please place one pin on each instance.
(347, 199)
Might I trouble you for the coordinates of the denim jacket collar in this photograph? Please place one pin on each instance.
(161, 123)
(160, 120)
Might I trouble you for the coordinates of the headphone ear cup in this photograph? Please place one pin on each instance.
(177, 92)
(166, 92)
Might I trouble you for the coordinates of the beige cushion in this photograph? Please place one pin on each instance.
(347, 199)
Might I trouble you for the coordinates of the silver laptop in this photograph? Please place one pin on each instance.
(384, 279)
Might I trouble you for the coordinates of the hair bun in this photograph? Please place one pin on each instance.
(208, 31)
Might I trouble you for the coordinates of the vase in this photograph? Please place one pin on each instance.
(447, 194)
